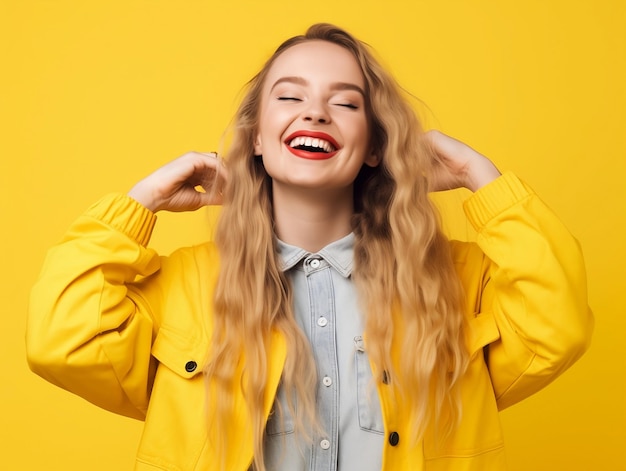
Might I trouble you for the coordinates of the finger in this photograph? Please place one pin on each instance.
(200, 176)
(217, 175)
(216, 161)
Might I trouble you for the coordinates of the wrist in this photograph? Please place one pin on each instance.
(480, 174)
(143, 197)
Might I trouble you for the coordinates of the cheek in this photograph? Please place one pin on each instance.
(270, 129)
(358, 127)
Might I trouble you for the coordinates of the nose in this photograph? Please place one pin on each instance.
(316, 112)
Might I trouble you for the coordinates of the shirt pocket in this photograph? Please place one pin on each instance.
(280, 421)
(368, 403)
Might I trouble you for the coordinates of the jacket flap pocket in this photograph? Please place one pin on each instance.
(183, 354)
(481, 331)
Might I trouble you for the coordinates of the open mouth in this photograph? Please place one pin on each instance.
(312, 144)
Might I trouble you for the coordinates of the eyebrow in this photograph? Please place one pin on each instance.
(333, 86)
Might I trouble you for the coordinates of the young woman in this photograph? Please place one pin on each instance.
(330, 325)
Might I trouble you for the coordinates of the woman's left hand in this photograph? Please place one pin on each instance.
(458, 165)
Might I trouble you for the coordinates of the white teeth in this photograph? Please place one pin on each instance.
(312, 142)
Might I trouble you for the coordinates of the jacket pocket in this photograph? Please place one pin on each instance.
(368, 403)
(481, 331)
(479, 431)
(182, 353)
(175, 432)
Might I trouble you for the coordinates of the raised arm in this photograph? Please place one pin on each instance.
(90, 325)
(533, 296)
(174, 187)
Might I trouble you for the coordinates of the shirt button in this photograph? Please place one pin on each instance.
(322, 321)
(190, 366)
(394, 438)
(325, 444)
(315, 263)
(327, 381)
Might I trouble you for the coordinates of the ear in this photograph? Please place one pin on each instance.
(258, 147)
(372, 160)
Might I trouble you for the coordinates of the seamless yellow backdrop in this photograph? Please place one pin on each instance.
(94, 95)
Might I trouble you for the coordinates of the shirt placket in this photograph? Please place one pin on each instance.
(323, 326)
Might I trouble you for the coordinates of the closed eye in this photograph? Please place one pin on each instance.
(288, 98)
(348, 105)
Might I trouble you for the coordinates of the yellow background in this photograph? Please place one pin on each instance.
(96, 94)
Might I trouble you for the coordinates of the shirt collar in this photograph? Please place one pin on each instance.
(338, 254)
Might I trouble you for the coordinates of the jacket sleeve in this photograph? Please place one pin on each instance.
(89, 331)
(534, 289)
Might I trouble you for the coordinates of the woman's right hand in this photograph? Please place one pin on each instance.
(174, 187)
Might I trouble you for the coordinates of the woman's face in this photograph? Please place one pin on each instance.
(313, 128)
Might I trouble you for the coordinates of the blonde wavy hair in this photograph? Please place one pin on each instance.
(403, 268)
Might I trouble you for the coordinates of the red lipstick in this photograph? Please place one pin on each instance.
(305, 154)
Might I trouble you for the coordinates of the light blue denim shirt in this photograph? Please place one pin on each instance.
(327, 310)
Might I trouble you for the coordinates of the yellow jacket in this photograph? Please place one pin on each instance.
(128, 330)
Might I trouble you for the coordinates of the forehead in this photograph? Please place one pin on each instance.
(317, 60)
